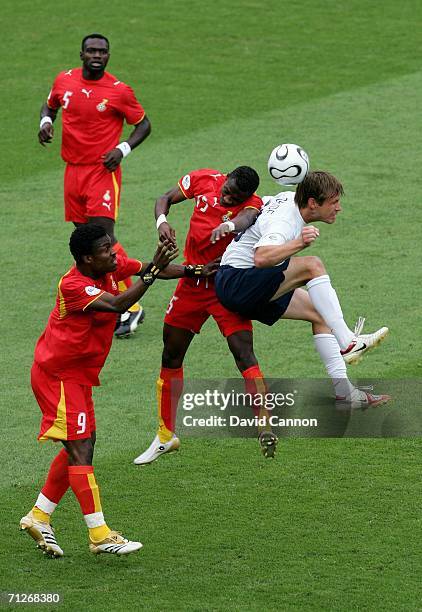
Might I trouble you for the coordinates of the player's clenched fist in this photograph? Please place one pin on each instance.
(165, 253)
(45, 134)
(309, 234)
(166, 232)
(112, 159)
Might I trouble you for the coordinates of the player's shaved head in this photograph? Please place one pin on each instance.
(84, 239)
(318, 185)
(95, 35)
(246, 179)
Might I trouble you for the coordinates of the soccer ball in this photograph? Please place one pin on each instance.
(288, 164)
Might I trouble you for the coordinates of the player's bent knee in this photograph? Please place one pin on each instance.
(242, 351)
(172, 357)
(80, 451)
(244, 359)
(315, 267)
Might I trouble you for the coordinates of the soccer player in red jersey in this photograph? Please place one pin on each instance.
(224, 203)
(94, 106)
(68, 359)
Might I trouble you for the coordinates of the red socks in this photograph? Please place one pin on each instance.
(84, 486)
(57, 482)
(169, 390)
(255, 385)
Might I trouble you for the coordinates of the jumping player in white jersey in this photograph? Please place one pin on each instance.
(259, 279)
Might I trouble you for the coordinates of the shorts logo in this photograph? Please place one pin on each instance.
(186, 181)
(274, 237)
(107, 205)
(91, 290)
(102, 106)
(107, 196)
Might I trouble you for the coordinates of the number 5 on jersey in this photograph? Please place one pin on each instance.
(171, 304)
(66, 98)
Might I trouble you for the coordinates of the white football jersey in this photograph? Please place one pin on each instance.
(278, 222)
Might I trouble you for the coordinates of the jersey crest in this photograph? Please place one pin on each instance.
(102, 106)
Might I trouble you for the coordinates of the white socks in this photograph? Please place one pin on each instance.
(45, 504)
(325, 301)
(329, 351)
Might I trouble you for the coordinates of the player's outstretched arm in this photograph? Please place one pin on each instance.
(269, 256)
(190, 271)
(240, 223)
(106, 302)
(47, 117)
(162, 207)
(112, 159)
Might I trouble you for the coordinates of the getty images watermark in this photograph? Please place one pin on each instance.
(261, 406)
(295, 407)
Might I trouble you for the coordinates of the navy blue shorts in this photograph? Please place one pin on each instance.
(248, 291)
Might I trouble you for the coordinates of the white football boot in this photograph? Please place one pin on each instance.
(157, 449)
(43, 534)
(362, 342)
(360, 399)
(114, 544)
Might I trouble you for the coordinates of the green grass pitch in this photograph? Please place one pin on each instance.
(330, 524)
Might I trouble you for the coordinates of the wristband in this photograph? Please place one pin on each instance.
(231, 225)
(125, 148)
(45, 120)
(150, 274)
(192, 271)
(161, 219)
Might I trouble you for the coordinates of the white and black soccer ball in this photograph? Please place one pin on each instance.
(288, 164)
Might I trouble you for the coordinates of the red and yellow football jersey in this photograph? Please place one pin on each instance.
(76, 341)
(205, 187)
(93, 114)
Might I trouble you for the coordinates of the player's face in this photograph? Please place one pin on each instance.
(103, 258)
(329, 209)
(230, 194)
(95, 55)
